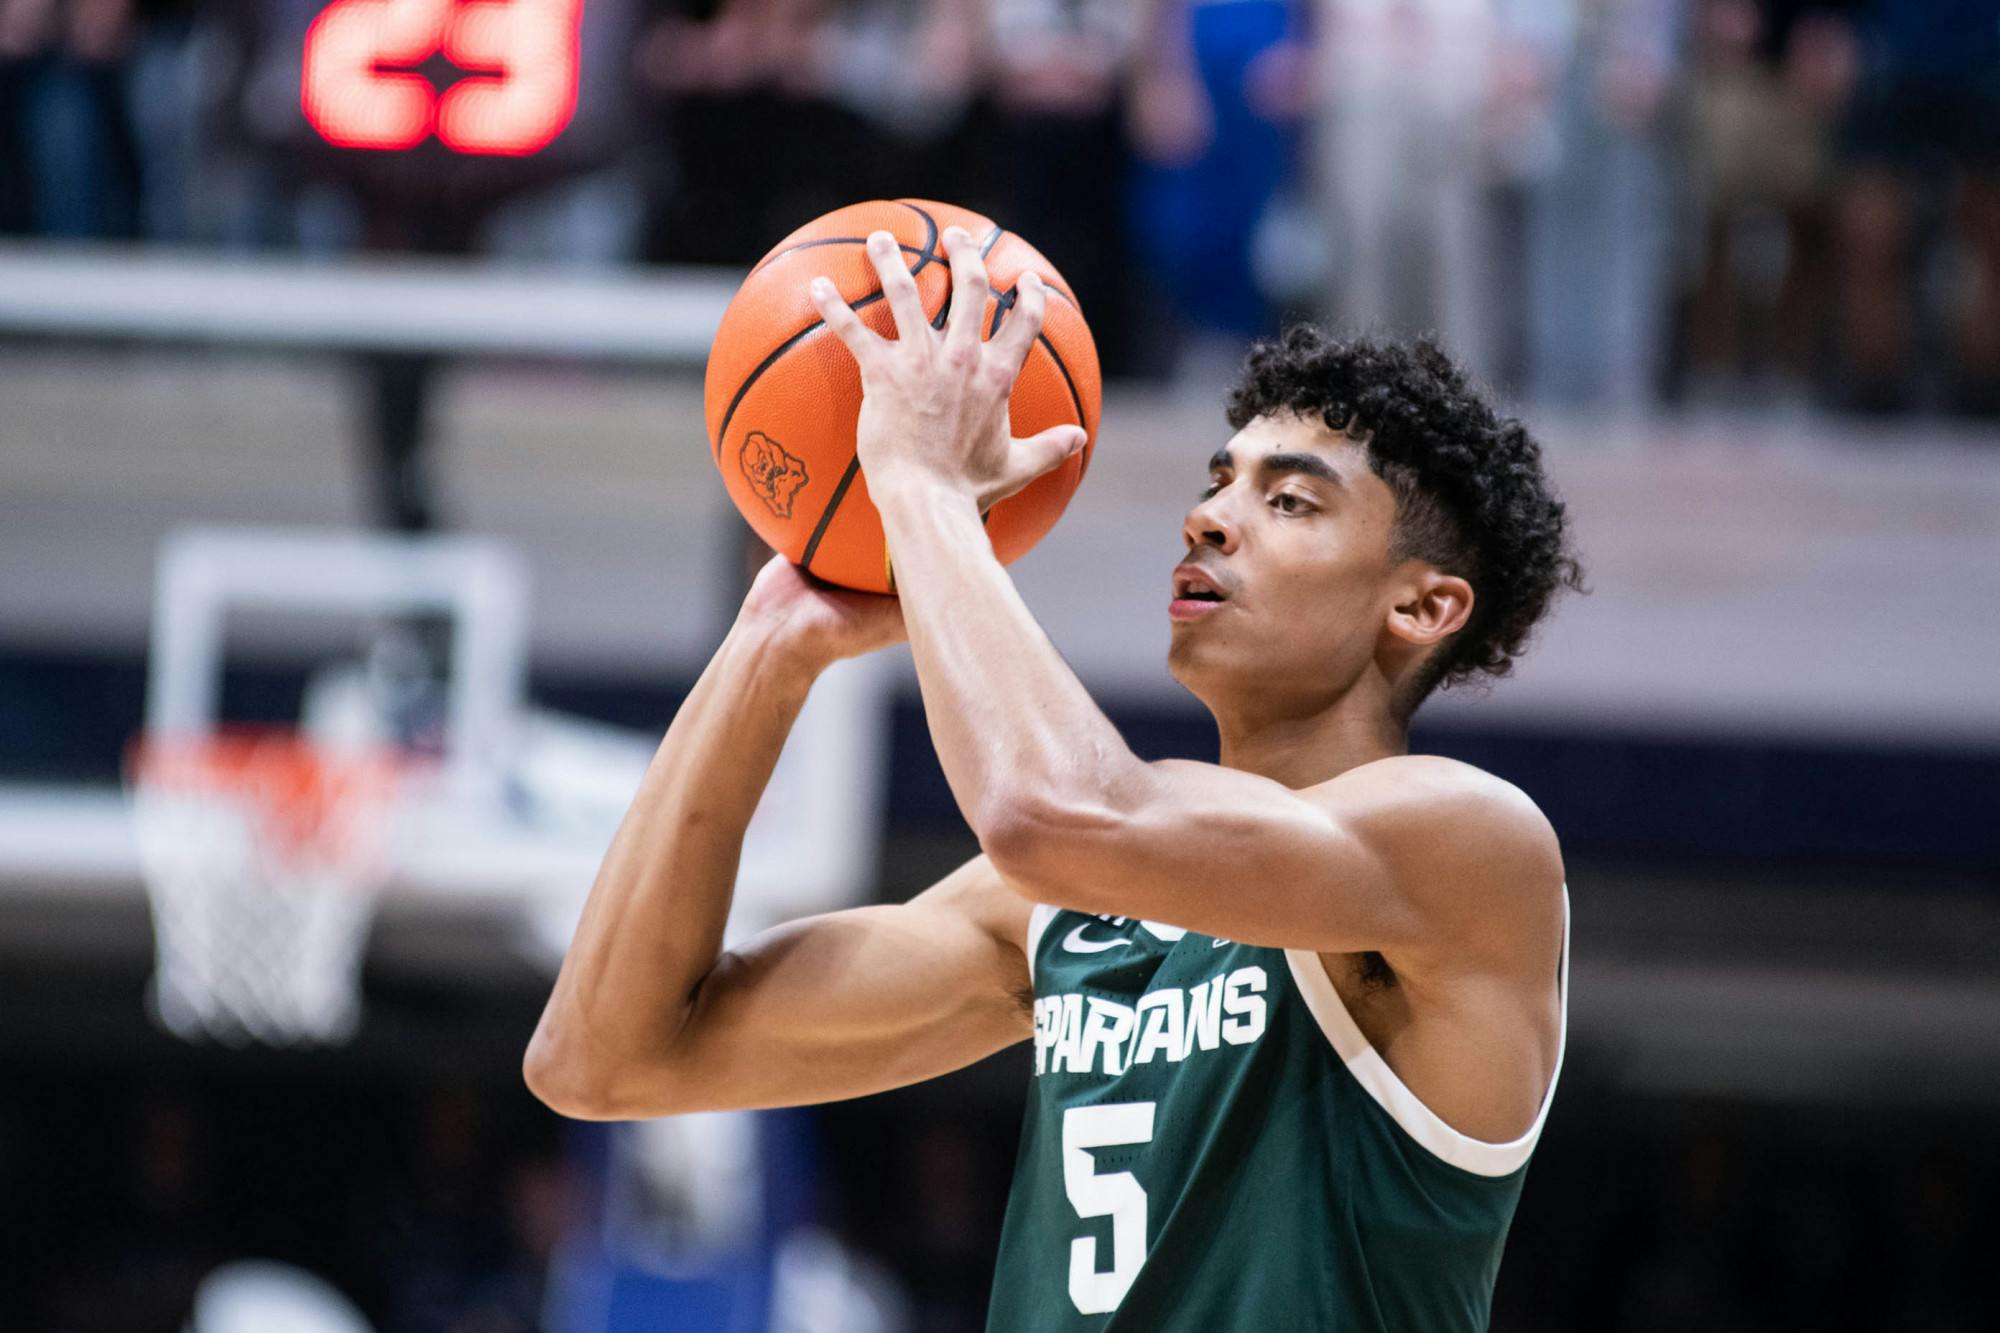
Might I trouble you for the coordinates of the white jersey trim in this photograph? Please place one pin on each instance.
(1372, 1072)
(1038, 926)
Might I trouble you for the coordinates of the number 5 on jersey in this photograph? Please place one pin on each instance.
(1115, 1194)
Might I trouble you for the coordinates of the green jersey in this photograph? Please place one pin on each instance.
(1212, 1145)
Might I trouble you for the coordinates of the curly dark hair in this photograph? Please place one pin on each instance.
(1471, 495)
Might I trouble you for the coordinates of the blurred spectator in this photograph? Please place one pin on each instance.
(779, 110)
(506, 1297)
(1493, 170)
(1599, 224)
(463, 1248)
(1684, 1274)
(1059, 169)
(1932, 1205)
(1397, 165)
(1770, 84)
(138, 1272)
(164, 88)
(1518, 144)
(946, 1244)
(1212, 100)
(1919, 211)
(909, 69)
(69, 163)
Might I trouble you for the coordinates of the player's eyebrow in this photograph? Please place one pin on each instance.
(1311, 465)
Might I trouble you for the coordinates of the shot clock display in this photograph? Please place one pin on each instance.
(413, 101)
(363, 83)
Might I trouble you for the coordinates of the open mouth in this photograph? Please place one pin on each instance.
(1195, 594)
(1191, 581)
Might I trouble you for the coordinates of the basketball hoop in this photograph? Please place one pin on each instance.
(263, 854)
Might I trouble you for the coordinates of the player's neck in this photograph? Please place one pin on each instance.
(1301, 750)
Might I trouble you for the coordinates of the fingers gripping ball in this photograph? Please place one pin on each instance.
(783, 394)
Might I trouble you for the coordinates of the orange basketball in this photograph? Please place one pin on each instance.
(783, 394)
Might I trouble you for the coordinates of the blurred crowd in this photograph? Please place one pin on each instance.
(438, 1208)
(444, 1208)
(1604, 203)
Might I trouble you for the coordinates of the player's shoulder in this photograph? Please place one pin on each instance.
(1438, 784)
(1453, 821)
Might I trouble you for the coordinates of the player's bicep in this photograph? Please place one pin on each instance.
(1214, 850)
(860, 1001)
(1375, 859)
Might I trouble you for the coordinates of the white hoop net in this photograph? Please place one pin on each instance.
(262, 855)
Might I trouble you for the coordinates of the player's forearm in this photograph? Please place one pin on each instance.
(652, 928)
(1016, 732)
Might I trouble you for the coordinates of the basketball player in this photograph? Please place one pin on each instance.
(1297, 1016)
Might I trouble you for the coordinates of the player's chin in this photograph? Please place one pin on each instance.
(1195, 658)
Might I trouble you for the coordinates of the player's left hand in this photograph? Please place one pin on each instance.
(934, 402)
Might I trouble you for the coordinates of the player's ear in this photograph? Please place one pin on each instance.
(1429, 606)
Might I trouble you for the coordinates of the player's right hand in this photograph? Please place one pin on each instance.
(819, 622)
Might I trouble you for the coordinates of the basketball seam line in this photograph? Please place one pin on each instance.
(770, 259)
(729, 413)
(1075, 398)
(854, 464)
(826, 515)
(944, 311)
(923, 254)
(985, 249)
(926, 255)
(1003, 304)
(929, 253)
(776, 255)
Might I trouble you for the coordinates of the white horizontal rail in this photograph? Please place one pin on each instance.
(659, 315)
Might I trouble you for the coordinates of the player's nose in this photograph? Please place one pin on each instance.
(1209, 524)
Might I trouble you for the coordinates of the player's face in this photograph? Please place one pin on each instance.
(1288, 573)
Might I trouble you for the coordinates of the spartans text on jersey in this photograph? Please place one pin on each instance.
(1084, 1034)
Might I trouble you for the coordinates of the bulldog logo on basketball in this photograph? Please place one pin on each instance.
(775, 475)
